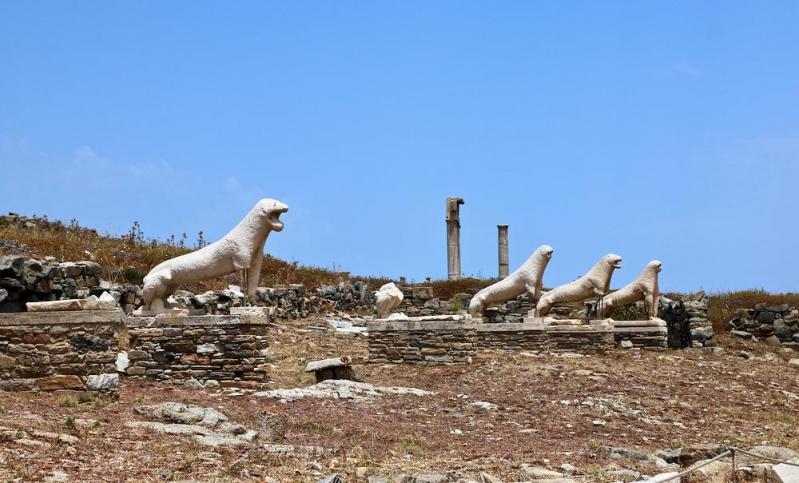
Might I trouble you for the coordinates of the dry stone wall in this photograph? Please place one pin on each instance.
(60, 351)
(456, 342)
(229, 349)
(776, 325)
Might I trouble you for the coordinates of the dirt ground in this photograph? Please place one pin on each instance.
(551, 409)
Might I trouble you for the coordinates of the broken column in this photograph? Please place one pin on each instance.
(454, 238)
(502, 244)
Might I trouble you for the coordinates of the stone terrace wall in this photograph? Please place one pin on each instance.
(47, 351)
(447, 342)
(424, 343)
(776, 325)
(230, 349)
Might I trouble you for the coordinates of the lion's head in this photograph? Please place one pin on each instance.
(654, 265)
(613, 260)
(545, 251)
(271, 210)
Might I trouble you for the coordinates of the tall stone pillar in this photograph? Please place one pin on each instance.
(454, 238)
(502, 246)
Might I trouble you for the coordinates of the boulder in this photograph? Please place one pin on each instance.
(103, 382)
(535, 473)
(785, 473)
(782, 330)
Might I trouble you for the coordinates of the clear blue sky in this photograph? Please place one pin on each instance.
(662, 130)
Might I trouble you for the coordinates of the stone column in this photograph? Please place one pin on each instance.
(502, 244)
(454, 238)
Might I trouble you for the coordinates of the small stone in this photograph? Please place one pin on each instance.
(794, 362)
(484, 405)
(529, 472)
(772, 340)
(103, 382)
(741, 333)
(207, 349)
(122, 362)
(626, 344)
(745, 355)
(193, 383)
(211, 384)
(662, 477)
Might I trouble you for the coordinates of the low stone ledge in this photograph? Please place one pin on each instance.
(49, 351)
(511, 327)
(405, 325)
(196, 320)
(71, 317)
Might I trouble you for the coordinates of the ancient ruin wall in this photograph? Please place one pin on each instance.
(230, 349)
(59, 350)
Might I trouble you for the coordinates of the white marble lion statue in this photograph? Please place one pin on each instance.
(645, 288)
(526, 279)
(595, 283)
(242, 249)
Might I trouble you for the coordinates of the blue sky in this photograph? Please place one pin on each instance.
(664, 130)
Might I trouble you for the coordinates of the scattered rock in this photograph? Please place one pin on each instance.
(193, 383)
(661, 477)
(339, 389)
(772, 340)
(103, 382)
(626, 344)
(209, 426)
(618, 453)
(531, 473)
(484, 405)
(741, 333)
(55, 437)
(295, 451)
(784, 473)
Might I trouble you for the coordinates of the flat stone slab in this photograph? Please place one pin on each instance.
(641, 330)
(328, 364)
(426, 318)
(511, 327)
(63, 317)
(339, 389)
(639, 323)
(386, 325)
(196, 320)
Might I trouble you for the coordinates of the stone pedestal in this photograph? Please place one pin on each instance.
(652, 333)
(230, 349)
(50, 351)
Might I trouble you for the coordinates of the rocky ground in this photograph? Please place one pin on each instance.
(593, 418)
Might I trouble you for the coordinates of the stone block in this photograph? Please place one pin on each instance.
(53, 383)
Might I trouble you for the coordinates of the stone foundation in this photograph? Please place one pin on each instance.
(429, 342)
(49, 351)
(644, 334)
(432, 342)
(230, 349)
